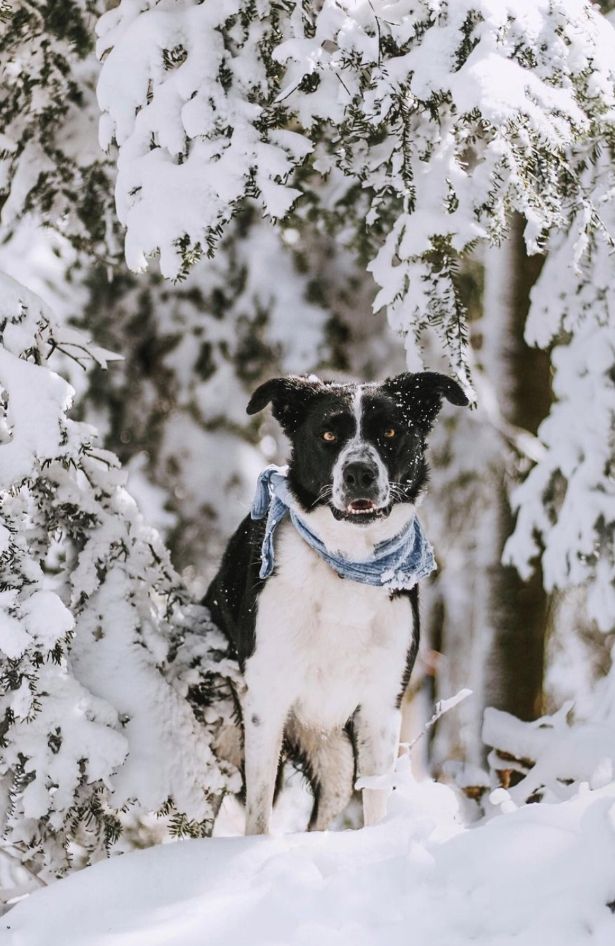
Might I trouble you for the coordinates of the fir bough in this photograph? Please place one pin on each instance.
(99, 645)
(431, 123)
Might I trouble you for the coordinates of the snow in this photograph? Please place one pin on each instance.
(556, 755)
(169, 753)
(36, 398)
(193, 136)
(536, 875)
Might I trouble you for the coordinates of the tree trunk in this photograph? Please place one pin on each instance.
(516, 661)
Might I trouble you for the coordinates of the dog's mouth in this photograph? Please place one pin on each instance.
(361, 507)
(361, 511)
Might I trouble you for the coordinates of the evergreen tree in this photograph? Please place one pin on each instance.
(101, 656)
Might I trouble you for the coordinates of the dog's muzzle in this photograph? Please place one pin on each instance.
(361, 489)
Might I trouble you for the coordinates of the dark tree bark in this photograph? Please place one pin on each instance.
(520, 608)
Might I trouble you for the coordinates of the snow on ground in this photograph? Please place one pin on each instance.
(532, 876)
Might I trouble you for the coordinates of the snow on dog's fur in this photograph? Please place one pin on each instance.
(326, 660)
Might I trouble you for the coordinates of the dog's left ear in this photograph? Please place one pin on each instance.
(289, 398)
(420, 396)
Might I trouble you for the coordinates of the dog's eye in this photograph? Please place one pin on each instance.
(329, 436)
(390, 432)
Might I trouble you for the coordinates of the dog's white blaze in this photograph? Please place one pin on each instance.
(324, 648)
(358, 449)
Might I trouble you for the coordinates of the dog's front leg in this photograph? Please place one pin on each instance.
(263, 720)
(377, 731)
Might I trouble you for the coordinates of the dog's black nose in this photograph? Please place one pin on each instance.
(359, 475)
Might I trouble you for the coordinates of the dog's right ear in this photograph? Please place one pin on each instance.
(289, 398)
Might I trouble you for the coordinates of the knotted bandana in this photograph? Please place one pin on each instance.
(397, 563)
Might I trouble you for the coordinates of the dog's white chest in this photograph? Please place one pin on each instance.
(324, 644)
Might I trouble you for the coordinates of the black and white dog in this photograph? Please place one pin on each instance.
(325, 658)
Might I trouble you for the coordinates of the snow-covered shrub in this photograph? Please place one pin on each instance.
(101, 680)
(430, 122)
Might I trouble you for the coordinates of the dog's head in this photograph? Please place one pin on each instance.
(358, 448)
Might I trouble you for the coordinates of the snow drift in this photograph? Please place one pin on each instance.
(535, 875)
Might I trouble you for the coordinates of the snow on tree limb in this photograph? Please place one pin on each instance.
(190, 124)
(566, 506)
(49, 163)
(551, 758)
(436, 121)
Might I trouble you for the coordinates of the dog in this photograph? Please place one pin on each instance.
(325, 655)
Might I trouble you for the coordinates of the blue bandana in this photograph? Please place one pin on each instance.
(397, 563)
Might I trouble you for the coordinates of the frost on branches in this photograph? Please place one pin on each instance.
(101, 683)
(430, 123)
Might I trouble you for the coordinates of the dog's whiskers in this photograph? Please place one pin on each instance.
(324, 493)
